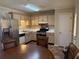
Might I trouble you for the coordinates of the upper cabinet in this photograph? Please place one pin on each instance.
(24, 22)
(33, 20)
(40, 19)
(43, 19)
(23, 19)
(51, 20)
(37, 19)
(17, 17)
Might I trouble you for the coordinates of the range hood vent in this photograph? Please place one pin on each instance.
(43, 22)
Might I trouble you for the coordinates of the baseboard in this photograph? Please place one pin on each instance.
(36, 41)
(28, 42)
(51, 43)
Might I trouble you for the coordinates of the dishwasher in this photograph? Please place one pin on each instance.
(22, 38)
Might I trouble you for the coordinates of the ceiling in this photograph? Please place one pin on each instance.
(43, 4)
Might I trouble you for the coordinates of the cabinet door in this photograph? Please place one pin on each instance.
(51, 37)
(40, 19)
(27, 37)
(33, 35)
(51, 20)
(15, 16)
(32, 20)
(45, 19)
(36, 20)
(22, 40)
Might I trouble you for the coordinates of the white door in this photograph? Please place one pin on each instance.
(65, 29)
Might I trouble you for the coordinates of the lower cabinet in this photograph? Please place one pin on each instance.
(28, 37)
(22, 40)
(51, 37)
(32, 36)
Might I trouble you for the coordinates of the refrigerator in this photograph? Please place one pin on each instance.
(14, 30)
(11, 26)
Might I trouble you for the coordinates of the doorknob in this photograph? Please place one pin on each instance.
(60, 32)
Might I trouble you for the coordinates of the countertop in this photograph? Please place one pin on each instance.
(23, 32)
(51, 31)
(34, 30)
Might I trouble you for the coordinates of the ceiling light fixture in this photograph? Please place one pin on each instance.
(32, 7)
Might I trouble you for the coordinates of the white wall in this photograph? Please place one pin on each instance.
(77, 11)
(4, 10)
(58, 13)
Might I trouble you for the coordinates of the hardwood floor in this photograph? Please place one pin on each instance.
(57, 51)
(22, 51)
(26, 52)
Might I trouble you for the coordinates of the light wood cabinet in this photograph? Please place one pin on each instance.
(22, 40)
(40, 19)
(27, 37)
(43, 18)
(32, 36)
(23, 19)
(51, 37)
(24, 23)
(17, 17)
(34, 20)
(51, 20)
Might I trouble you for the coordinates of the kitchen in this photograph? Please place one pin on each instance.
(28, 23)
(39, 29)
(24, 27)
(35, 22)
